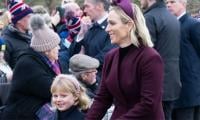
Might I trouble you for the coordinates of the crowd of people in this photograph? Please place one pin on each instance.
(109, 59)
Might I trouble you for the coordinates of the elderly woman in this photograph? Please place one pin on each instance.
(132, 73)
(34, 73)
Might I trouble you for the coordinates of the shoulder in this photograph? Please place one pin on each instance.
(149, 53)
(111, 53)
(191, 24)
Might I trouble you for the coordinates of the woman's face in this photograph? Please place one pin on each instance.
(118, 31)
(53, 53)
(63, 100)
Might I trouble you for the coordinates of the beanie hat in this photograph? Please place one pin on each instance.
(74, 25)
(81, 62)
(43, 38)
(18, 10)
(2, 45)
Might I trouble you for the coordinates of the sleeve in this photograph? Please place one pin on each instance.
(102, 101)
(151, 89)
(108, 46)
(195, 37)
(151, 25)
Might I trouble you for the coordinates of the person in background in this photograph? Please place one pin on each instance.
(5, 70)
(164, 29)
(84, 68)
(96, 41)
(16, 35)
(66, 1)
(41, 10)
(5, 20)
(69, 97)
(187, 107)
(34, 73)
(68, 31)
(132, 74)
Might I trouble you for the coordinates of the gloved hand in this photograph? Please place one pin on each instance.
(55, 19)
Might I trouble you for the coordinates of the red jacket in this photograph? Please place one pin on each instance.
(132, 79)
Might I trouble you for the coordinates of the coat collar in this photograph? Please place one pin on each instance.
(155, 5)
(184, 17)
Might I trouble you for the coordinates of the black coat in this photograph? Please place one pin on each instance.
(16, 44)
(30, 87)
(164, 29)
(96, 43)
(71, 114)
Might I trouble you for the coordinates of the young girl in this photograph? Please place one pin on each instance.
(69, 98)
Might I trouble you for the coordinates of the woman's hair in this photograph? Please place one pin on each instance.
(139, 34)
(68, 83)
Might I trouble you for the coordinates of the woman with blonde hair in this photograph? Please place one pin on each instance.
(69, 97)
(132, 73)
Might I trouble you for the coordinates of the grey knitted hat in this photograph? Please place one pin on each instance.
(81, 62)
(43, 38)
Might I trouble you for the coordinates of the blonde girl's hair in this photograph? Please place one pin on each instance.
(139, 34)
(68, 83)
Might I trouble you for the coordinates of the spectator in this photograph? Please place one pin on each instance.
(5, 70)
(34, 73)
(84, 68)
(68, 31)
(188, 104)
(41, 10)
(5, 20)
(164, 29)
(16, 35)
(66, 1)
(96, 42)
(133, 73)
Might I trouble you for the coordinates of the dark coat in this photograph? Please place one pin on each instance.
(16, 44)
(30, 87)
(132, 79)
(71, 114)
(190, 62)
(165, 33)
(96, 43)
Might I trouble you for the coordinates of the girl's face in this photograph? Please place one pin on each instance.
(63, 100)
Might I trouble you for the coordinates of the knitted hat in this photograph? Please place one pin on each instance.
(74, 25)
(18, 10)
(43, 38)
(2, 45)
(81, 62)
